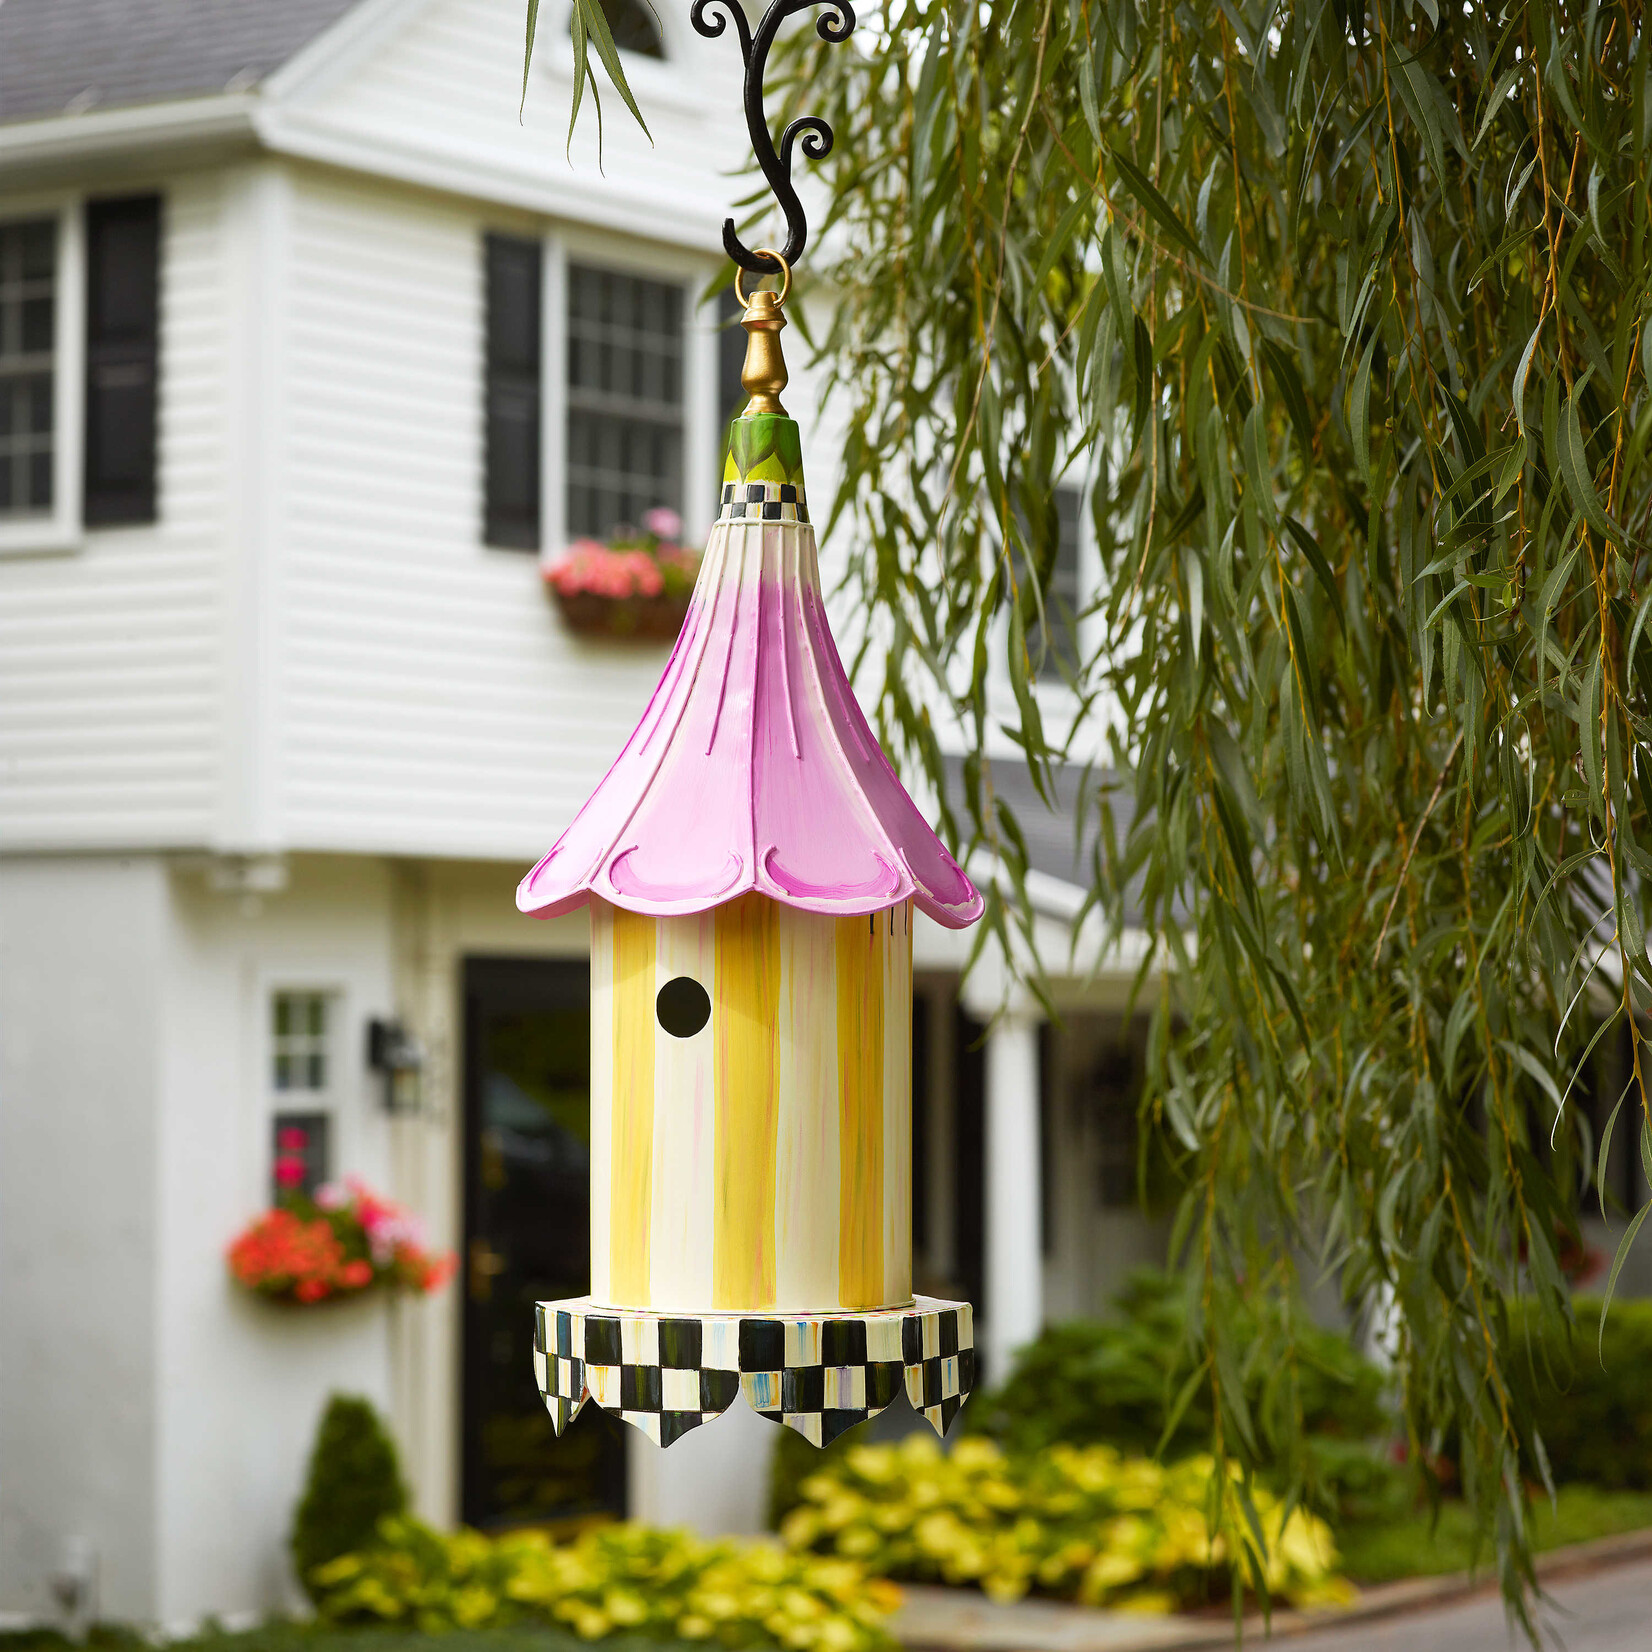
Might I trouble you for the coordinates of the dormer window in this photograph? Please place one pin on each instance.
(633, 26)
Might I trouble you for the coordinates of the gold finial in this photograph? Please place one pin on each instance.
(764, 375)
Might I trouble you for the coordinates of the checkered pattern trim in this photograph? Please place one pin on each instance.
(818, 1373)
(764, 502)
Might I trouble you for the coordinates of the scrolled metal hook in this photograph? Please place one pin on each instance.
(810, 133)
(712, 24)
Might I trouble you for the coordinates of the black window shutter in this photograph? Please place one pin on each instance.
(512, 392)
(123, 254)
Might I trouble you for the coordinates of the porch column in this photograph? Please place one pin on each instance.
(1014, 1196)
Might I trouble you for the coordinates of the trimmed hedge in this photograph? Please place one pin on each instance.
(354, 1482)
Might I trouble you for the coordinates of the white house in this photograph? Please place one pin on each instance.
(311, 349)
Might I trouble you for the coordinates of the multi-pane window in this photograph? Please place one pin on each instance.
(28, 280)
(299, 1163)
(1113, 1093)
(298, 1041)
(1054, 645)
(625, 398)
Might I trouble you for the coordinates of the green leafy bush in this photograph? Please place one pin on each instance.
(619, 1579)
(1084, 1523)
(1593, 1401)
(354, 1481)
(1117, 1381)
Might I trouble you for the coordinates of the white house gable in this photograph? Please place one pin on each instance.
(432, 91)
(314, 645)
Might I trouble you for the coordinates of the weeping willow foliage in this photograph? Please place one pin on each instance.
(1338, 314)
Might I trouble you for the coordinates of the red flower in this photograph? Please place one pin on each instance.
(307, 1251)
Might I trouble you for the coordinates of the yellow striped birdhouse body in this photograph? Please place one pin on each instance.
(751, 1109)
(752, 867)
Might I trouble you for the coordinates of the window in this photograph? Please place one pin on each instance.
(28, 299)
(301, 1061)
(1055, 644)
(625, 398)
(299, 1162)
(299, 1055)
(632, 26)
(1114, 1089)
(123, 239)
(79, 370)
(513, 392)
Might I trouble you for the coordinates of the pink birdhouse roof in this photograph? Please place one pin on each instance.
(753, 767)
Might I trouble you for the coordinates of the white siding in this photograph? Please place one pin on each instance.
(431, 700)
(109, 655)
(81, 1003)
(434, 89)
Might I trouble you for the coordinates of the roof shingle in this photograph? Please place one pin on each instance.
(110, 53)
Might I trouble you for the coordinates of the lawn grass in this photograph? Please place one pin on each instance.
(1418, 1547)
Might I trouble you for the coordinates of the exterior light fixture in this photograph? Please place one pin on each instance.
(398, 1058)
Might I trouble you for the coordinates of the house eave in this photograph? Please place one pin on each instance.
(478, 173)
(39, 153)
(136, 137)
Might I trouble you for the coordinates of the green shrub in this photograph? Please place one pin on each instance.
(354, 1481)
(1593, 1399)
(612, 1580)
(1117, 1381)
(1084, 1523)
(1114, 1381)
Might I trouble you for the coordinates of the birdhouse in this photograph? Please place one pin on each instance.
(752, 866)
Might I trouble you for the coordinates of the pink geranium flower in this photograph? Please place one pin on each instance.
(664, 523)
(595, 570)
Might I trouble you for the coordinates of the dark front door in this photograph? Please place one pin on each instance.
(527, 1239)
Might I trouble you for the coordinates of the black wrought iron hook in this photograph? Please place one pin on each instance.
(808, 132)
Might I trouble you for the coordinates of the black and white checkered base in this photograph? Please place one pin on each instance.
(817, 1373)
(764, 502)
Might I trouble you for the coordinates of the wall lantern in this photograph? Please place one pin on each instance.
(751, 864)
(394, 1054)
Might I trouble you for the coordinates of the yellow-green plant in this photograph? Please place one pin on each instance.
(618, 1579)
(1083, 1522)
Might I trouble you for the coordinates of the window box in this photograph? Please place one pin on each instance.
(641, 619)
(637, 586)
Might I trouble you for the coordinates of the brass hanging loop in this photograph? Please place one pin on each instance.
(764, 375)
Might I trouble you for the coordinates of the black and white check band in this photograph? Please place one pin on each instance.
(817, 1373)
(764, 502)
